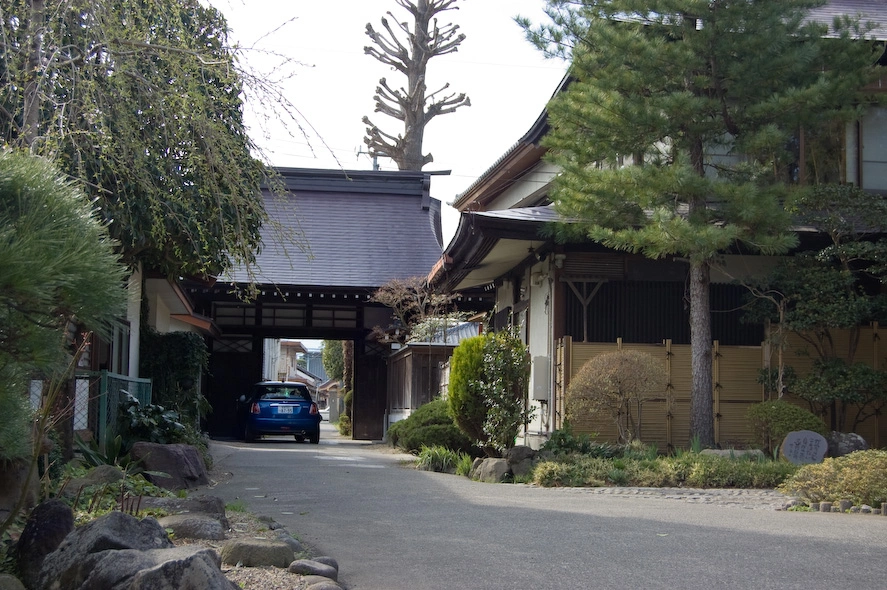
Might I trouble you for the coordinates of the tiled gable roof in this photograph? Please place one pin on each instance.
(362, 229)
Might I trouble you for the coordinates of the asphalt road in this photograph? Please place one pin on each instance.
(395, 528)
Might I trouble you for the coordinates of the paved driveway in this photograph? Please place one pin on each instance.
(395, 528)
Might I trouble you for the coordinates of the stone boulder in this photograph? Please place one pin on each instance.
(9, 582)
(181, 463)
(844, 443)
(320, 583)
(310, 567)
(47, 526)
(803, 446)
(257, 553)
(520, 460)
(193, 526)
(491, 470)
(179, 568)
(202, 504)
(70, 564)
(294, 544)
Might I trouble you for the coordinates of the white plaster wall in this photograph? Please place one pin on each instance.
(528, 190)
(539, 330)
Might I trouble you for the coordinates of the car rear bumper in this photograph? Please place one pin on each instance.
(276, 426)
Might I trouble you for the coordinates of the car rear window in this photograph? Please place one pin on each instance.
(283, 392)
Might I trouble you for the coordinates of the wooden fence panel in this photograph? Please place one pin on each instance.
(666, 420)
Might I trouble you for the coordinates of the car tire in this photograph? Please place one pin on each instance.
(248, 434)
(314, 438)
(299, 438)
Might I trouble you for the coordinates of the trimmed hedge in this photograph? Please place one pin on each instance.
(430, 425)
(771, 421)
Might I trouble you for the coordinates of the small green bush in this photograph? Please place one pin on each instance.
(466, 462)
(439, 459)
(687, 470)
(772, 420)
(344, 425)
(860, 477)
(463, 392)
(564, 442)
(430, 426)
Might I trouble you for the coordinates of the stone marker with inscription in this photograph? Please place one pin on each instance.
(803, 446)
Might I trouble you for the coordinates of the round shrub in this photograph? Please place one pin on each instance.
(616, 384)
(860, 477)
(772, 420)
(430, 426)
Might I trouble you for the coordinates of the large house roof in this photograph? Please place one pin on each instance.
(869, 11)
(345, 228)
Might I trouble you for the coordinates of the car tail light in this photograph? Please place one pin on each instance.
(314, 410)
(254, 409)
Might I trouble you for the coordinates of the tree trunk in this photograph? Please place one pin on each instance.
(701, 410)
(31, 114)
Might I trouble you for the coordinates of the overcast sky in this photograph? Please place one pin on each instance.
(507, 80)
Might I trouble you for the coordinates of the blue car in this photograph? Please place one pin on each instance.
(277, 407)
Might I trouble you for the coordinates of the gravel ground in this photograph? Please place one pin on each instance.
(244, 524)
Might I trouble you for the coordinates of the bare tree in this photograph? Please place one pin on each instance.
(412, 105)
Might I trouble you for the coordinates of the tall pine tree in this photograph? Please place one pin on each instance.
(677, 134)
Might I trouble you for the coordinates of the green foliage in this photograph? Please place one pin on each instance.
(151, 423)
(854, 385)
(429, 426)
(836, 288)
(616, 384)
(772, 420)
(15, 428)
(344, 425)
(236, 506)
(506, 378)
(565, 442)
(463, 392)
(440, 459)
(860, 477)
(141, 101)
(489, 376)
(333, 359)
(114, 453)
(174, 362)
(57, 263)
(464, 464)
(685, 470)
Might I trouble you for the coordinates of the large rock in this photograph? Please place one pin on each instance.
(491, 471)
(70, 564)
(521, 460)
(310, 567)
(180, 568)
(193, 526)
(257, 553)
(519, 454)
(844, 443)
(9, 582)
(803, 446)
(182, 463)
(202, 504)
(47, 526)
